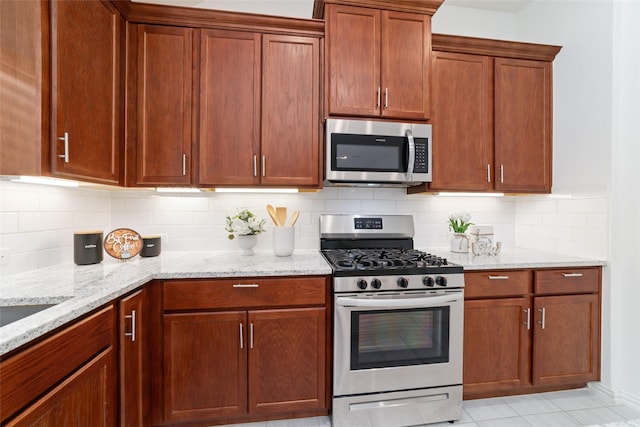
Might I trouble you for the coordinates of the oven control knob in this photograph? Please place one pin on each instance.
(376, 283)
(428, 281)
(362, 284)
(403, 282)
(441, 281)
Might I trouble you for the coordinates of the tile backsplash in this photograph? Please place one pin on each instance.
(37, 222)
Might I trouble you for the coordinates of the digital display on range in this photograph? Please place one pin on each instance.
(368, 223)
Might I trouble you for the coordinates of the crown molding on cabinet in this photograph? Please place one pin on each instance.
(208, 18)
(500, 48)
(427, 7)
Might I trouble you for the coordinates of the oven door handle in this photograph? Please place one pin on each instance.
(399, 302)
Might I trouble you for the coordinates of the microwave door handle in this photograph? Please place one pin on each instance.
(412, 155)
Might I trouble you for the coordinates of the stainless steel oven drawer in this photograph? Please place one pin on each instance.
(398, 409)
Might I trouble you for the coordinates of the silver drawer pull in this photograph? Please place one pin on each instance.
(543, 313)
(246, 285)
(528, 322)
(571, 274)
(498, 277)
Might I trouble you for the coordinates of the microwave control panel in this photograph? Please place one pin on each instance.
(420, 165)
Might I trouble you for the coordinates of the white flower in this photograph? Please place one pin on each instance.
(245, 223)
(459, 221)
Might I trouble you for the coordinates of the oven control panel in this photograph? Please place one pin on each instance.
(398, 282)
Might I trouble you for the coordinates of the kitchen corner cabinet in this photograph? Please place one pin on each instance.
(492, 115)
(243, 349)
(160, 106)
(528, 331)
(132, 354)
(66, 379)
(378, 62)
(259, 109)
(87, 96)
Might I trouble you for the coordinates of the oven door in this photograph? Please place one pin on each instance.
(390, 341)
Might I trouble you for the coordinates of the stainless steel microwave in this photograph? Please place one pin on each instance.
(377, 153)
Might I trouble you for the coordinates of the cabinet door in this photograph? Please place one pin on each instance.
(566, 339)
(164, 94)
(353, 60)
(133, 394)
(405, 51)
(290, 110)
(86, 93)
(205, 365)
(86, 398)
(523, 125)
(496, 344)
(462, 122)
(229, 108)
(286, 360)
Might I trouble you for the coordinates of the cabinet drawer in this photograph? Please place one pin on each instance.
(497, 283)
(567, 281)
(244, 292)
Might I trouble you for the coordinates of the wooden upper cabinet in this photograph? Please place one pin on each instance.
(406, 55)
(229, 107)
(523, 125)
(86, 93)
(378, 62)
(290, 110)
(462, 122)
(160, 141)
(259, 109)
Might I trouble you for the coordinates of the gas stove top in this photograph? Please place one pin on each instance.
(387, 261)
(375, 253)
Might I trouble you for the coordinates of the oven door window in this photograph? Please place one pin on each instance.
(401, 337)
(368, 153)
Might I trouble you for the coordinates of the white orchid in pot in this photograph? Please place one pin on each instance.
(459, 222)
(246, 226)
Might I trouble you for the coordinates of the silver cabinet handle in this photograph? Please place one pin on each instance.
(501, 174)
(65, 138)
(488, 173)
(264, 165)
(543, 317)
(131, 334)
(241, 338)
(386, 97)
(378, 102)
(571, 274)
(498, 277)
(528, 321)
(246, 285)
(251, 335)
(184, 164)
(255, 165)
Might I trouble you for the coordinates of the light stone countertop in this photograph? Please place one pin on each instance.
(77, 290)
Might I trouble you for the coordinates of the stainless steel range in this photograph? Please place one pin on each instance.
(398, 324)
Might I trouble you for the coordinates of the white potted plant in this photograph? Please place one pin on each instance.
(245, 227)
(459, 222)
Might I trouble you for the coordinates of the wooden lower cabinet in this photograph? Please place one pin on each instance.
(84, 399)
(566, 339)
(133, 357)
(496, 344)
(531, 330)
(66, 379)
(243, 349)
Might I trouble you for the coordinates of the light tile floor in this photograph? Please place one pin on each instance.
(583, 407)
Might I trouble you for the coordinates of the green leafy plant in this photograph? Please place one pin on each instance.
(459, 222)
(244, 223)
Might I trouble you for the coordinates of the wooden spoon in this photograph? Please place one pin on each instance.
(272, 213)
(294, 218)
(281, 214)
